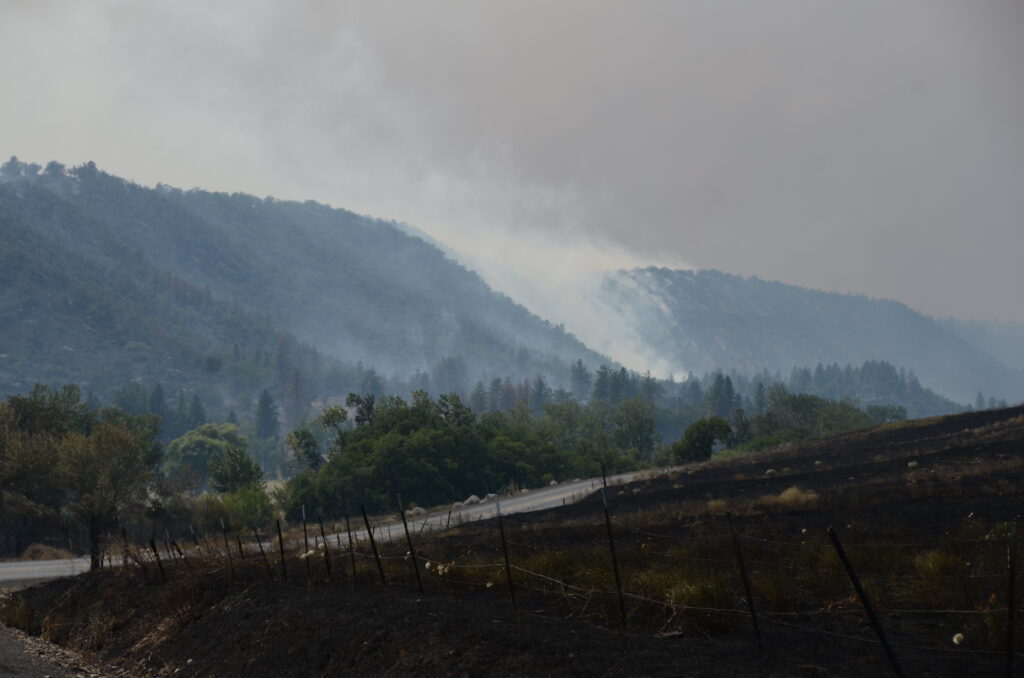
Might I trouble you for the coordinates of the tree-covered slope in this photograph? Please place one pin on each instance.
(359, 289)
(701, 320)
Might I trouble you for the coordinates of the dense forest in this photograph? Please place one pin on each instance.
(73, 473)
(178, 280)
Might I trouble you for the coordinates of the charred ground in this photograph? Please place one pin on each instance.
(924, 508)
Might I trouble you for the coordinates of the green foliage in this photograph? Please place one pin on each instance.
(59, 459)
(232, 469)
(700, 438)
(437, 451)
(305, 448)
(248, 507)
(189, 457)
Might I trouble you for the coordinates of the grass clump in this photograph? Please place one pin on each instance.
(792, 498)
(16, 613)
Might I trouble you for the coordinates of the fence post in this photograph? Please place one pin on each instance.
(227, 548)
(351, 550)
(280, 544)
(181, 553)
(862, 594)
(241, 551)
(305, 544)
(412, 549)
(373, 545)
(327, 552)
(1011, 597)
(746, 581)
(259, 542)
(156, 554)
(449, 523)
(504, 551)
(611, 545)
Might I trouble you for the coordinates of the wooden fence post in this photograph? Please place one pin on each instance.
(373, 545)
(351, 550)
(156, 554)
(266, 562)
(227, 548)
(412, 549)
(280, 544)
(746, 581)
(1011, 597)
(862, 594)
(611, 546)
(305, 544)
(504, 551)
(327, 552)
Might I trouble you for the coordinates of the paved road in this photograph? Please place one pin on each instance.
(26, 572)
(534, 500)
(16, 574)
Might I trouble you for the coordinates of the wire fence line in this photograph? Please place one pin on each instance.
(216, 557)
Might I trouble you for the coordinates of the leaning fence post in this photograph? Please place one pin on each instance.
(611, 545)
(280, 545)
(373, 545)
(412, 549)
(259, 542)
(504, 551)
(865, 601)
(181, 553)
(1011, 597)
(351, 550)
(156, 554)
(746, 581)
(241, 551)
(327, 552)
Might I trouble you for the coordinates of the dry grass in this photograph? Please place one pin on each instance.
(791, 498)
(15, 612)
(45, 552)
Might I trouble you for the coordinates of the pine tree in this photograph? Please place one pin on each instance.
(267, 424)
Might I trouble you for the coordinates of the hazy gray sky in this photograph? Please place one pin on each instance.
(868, 145)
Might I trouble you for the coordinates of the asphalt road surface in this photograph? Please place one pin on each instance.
(21, 573)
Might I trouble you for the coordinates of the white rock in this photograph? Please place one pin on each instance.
(491, 496)
(912, 464)
(471, 500)
(552, 483)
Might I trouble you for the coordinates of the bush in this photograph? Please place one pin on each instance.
(248, 508)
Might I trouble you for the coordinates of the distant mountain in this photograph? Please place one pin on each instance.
(702, 320)
(103, 279)
(1003, 340)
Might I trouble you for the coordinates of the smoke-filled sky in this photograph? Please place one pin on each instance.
(867, 146)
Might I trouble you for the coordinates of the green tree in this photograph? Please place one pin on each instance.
(305, 448)
(267, 424)
(700, 438)
(105, 474)
(232, 469)
(188, 457)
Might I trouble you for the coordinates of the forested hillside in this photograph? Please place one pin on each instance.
(706, 319)
(105, 282)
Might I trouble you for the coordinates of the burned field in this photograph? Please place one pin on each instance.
(924, 510)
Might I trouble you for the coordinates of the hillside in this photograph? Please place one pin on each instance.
(923, 509)
(92, 263)
(706, 319)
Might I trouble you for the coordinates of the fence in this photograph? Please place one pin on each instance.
(707, 577)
